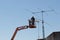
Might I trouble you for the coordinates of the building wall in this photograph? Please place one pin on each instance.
(54, 36)
(57, 36)
(50, 37)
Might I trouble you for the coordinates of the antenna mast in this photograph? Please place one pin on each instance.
(43, 29)
(43, 26)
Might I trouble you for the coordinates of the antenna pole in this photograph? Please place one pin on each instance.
(43, 32)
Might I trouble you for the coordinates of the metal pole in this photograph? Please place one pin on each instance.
(43, 32)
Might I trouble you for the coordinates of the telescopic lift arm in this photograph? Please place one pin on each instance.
(18, 29)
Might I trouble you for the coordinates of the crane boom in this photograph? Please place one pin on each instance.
(17, 29)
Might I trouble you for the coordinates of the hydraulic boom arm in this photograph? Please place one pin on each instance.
(17, 29)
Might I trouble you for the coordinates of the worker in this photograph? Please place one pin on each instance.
(32, 23)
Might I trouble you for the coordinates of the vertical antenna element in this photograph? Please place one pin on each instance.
(43, 26)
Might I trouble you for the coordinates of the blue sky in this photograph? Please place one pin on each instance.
(13, 13)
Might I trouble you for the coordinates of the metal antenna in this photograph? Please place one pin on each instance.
(43, 29)
(43, 25)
